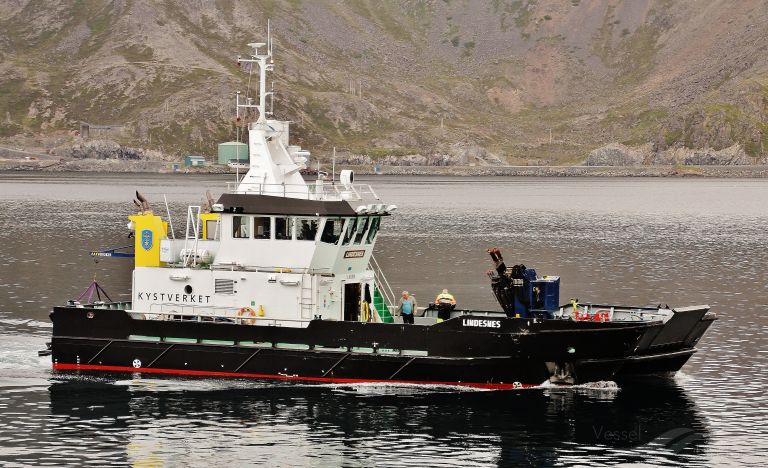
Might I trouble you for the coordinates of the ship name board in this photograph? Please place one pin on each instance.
(173, 297)
(354, 254)
(481, 323)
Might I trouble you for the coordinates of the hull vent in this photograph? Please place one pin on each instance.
(224, 286)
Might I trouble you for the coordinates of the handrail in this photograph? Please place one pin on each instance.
(310, 191)
(385, 288)
(615, 313)
(179, 315)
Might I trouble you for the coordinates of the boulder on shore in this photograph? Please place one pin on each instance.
(616, 154)
(101, 149)
(731, 156)
(457, 154)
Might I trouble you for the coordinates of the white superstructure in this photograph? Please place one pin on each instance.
(273, 249)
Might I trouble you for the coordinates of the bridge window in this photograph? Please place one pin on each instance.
(306, 228)
(351, 226)
(262, 227)
(374, 229)
(212, 229)
(362, 226)
(282, 228)
(241, 227)
(332, 230)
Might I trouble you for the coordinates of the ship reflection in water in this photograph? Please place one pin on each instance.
(190, 422)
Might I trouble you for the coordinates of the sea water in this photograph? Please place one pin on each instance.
(626, 241)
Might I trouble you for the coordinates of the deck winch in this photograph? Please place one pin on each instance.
(520, 292)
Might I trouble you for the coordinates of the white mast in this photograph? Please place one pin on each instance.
(274, 165)
(261, 61)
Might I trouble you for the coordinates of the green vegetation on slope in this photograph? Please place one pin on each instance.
(406, 75)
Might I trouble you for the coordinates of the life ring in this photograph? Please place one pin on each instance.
(247, 312)
(601, 315)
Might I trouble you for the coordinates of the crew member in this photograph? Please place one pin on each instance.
(407, 307)
(445, 303)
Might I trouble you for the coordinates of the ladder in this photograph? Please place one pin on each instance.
(306, 302)
(192, 235)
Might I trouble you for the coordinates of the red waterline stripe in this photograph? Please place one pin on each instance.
(93, 367)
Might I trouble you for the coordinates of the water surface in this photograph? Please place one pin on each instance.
(629, 241)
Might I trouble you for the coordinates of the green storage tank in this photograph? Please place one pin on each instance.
(232, 151)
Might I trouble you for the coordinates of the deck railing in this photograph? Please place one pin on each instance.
(310, 191)
(187, 313)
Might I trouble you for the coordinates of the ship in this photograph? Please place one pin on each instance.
(276, 279)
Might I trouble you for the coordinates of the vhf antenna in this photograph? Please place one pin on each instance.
(264, 67)
(271, 99)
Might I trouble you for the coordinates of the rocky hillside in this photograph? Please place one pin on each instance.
(521, 81)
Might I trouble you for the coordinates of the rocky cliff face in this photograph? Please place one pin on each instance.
(99, 149)
(616, 154)
(525, 80)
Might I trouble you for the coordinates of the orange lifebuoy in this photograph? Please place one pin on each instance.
(247, 312)
(601, 316)
(579, 316)
(596, 316)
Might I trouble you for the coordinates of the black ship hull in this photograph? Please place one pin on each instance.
(472, 351)
(662, 350)
(666, 350)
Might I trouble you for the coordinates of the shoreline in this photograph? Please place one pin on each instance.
(735, 172)
(166, 167)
